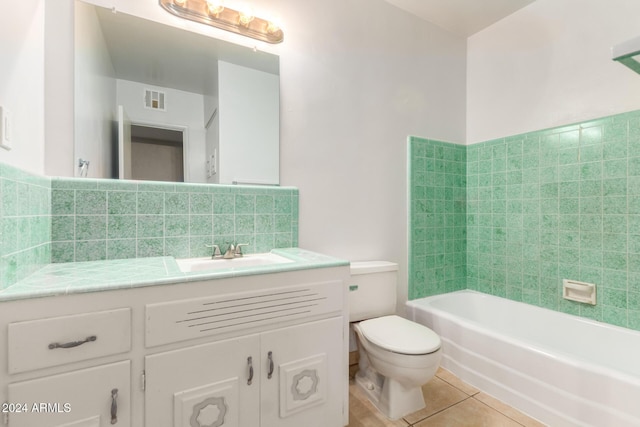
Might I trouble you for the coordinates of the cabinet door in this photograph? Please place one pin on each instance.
(204, 385)
(308, 376)
(94, 397)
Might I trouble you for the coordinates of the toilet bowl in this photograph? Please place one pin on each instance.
(397, 356)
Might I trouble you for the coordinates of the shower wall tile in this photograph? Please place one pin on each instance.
(437, 217)
(25, 224)
(108, 219)
(540, 207)
(557, 204)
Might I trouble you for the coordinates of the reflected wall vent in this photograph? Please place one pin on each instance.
(155, 100)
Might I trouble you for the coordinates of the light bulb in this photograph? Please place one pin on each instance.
(245, 16)
(272, 27)
(215, 7)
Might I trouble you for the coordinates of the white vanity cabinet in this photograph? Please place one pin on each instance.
(286, 377)
(261, 350)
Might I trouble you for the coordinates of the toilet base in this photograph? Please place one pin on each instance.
(390, 397)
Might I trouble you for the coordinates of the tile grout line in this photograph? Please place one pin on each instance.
(500, 412)
(438, 412)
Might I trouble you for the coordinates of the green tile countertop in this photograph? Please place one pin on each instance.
(94, 276)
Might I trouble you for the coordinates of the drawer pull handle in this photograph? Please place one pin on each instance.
(114, 406)
(72, 344)
(250, 363)
(270, 357)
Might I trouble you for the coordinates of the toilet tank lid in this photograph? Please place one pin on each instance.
(367, 267)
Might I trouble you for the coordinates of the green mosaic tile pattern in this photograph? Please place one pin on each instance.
(437, 217)
(25, 224)
(106, 219)
(555, 204)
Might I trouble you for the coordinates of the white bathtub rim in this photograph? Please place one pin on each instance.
(559, 355)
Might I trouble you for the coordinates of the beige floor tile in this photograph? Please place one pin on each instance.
(438, 395)
(468, 413)
(362, 413)
(508, 410)
(456, 382)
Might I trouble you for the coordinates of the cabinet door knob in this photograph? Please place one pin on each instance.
(250, 364)
(114, 406)
(270, 358)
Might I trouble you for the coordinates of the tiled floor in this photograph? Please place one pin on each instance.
(450, 402)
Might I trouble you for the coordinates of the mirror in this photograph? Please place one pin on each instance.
(146, 92)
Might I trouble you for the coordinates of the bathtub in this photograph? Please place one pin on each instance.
(560, 369)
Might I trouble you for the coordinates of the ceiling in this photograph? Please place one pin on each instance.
(461, 17)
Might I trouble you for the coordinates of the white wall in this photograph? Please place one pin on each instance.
(357, 77)
(183, 110)
(249, 125)
(22, 82)
(95, 95)
(550, 64)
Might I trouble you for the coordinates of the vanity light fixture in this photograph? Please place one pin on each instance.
(214, 13)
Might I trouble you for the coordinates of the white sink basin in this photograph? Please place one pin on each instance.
(251, 260)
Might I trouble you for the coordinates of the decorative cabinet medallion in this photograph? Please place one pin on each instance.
(209, 413)
(214, 405)
(303, 384)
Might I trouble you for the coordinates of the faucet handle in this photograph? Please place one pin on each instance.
(239, 248)
(216, 250)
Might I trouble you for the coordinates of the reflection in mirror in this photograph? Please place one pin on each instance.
(139, 84)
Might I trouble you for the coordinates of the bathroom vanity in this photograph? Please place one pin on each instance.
(247, 346)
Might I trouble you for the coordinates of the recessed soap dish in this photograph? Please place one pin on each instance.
(579, 291)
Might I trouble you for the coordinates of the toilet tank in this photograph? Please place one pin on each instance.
(372, 289)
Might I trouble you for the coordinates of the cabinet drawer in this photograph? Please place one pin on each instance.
(42, 343)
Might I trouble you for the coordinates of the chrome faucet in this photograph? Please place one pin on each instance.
(234, 251)
(216, 251)
(230, 252)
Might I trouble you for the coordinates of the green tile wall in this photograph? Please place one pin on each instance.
(540, 207)
(437, 214)
(555, 204)
(25, 224)
(107, 219)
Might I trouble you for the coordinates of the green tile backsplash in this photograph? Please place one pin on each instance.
(437, 216)
(105, 219)
(44, 220)
(25, 224)
(540, 207)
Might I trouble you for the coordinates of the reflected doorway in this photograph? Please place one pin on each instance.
(157, 154)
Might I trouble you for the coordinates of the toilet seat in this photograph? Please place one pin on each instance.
(398, 335)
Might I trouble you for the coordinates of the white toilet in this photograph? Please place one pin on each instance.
(397, 356)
